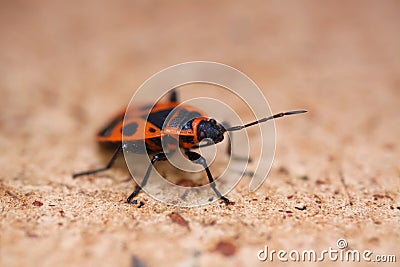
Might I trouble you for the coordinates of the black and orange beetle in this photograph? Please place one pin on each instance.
(148, 123)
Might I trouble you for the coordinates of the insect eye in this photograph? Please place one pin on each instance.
(202, 135)
(213, 121)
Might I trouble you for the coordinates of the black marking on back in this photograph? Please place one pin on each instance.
(188, 125)
(187, 139)
(156, 141)
(158, 118)
(106, 132)
(129, 129)
(152, 130)
(181, 121)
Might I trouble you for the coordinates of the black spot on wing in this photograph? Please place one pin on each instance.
(130, 129)
(158, 118)
(187, 139)
(188, 125)
(156, 141)
(106, 131)
(152, 130)
(184, 119)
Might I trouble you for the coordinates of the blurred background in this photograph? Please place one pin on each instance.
(65, 67)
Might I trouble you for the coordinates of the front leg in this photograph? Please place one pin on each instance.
(199, 159)
(229, 147)
(157, 157)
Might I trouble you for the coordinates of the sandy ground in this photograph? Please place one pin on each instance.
(65, 69)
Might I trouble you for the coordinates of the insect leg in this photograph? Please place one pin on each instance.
(230, 138)
(198, 159)
(108, 166)
(229, 147)
(157, 157)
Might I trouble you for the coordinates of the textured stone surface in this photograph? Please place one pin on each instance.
(65, 68)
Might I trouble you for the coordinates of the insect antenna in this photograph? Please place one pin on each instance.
(279, 115)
